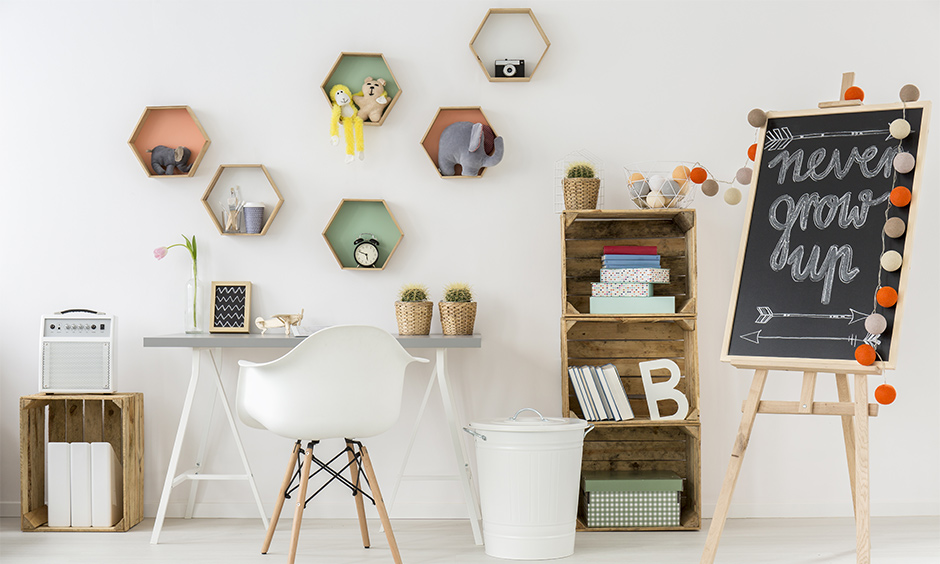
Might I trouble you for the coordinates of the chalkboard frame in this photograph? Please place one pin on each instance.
(245, 327)
(819, 364)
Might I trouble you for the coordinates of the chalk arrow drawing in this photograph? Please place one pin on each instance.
(778, 139)
(765, 314)
(756, 338)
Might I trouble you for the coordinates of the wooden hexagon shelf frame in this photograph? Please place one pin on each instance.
(215, 180)
(354, 217)
(171, 126)
(508, 11)
(358, 66)
(445, 116)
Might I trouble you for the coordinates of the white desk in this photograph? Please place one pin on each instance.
(212, 345)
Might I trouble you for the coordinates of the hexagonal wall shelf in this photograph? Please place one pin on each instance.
(351, 69)
(351, 219)
(446, 116)
(511, 34)
(172, 126)
(252, 188)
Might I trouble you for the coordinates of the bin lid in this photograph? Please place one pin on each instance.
(528, 420)
(631, 481)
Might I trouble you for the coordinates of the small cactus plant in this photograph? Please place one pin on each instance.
(580, 169)
(413, 293)
(457, 292)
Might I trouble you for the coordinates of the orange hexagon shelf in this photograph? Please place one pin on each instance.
(170, 126)
(446, 116)
(351, 69)
(352, 219)
(509, 34)
(252, 187)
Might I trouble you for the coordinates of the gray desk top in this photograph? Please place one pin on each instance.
(281, 341)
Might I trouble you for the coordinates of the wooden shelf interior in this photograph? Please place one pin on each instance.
(509, 33)
(355, 217)
(444, 117)
(255, 185)
(351, 69)
(585, 233)
(172, 126)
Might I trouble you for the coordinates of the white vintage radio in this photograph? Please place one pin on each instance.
(77, 352)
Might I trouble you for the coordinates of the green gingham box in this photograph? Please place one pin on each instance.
(632, 499)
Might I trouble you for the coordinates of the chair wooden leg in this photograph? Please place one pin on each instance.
(360, 508)
(301, 497)
(379, 503)
(279, 503)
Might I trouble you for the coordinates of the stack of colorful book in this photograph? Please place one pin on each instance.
(627, 279)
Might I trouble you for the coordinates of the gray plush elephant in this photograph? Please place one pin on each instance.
(466, 144)
(164, 159)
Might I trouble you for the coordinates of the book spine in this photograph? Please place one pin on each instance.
(580, 393)
(629, 250)
(608, 395)
(80, 483)
(58, 485)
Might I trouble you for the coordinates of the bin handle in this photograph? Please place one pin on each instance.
(474, 433)
(587, 430)
(513, 418)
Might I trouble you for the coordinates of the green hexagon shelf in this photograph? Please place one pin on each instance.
(172, 126)
(351, 69)
(351, 219)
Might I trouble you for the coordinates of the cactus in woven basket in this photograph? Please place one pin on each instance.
(413, 293)
(580, 169)
(457, 292)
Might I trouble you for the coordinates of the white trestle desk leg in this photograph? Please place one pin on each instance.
(215, 356)
(177, 445)
(411, 441)
(463, 462)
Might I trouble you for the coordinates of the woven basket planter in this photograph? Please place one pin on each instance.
(414, 318)
(581, 193)
(457, 317)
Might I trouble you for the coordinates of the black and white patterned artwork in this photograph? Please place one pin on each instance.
(230, 307)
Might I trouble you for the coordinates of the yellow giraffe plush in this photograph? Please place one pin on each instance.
(344, 110)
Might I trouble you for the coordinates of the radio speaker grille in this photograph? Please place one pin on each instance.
(80, 366)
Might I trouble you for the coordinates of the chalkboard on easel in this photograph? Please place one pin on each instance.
(809, 265)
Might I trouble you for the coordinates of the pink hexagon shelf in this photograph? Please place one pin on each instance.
(171, 126)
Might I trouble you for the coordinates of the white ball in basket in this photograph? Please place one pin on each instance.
(656, 182)
(655, 199)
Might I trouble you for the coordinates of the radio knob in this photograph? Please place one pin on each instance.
(52, 326)
(94, 326)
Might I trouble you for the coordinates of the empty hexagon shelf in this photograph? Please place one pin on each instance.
(509, 44)
(446, 116)
(253, 188)
(172, 127)
(351, 220)
(351, 69)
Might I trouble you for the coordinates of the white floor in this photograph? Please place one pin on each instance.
(901, 540)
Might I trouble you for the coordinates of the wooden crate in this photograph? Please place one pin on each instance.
(114, 418)
(585, 233)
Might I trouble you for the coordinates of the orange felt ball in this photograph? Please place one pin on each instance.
(865, 355)
(636, 176)
(886, 296)
(900, 196)
(885, 394)
(681, 172)
(752, 151)
(854, 93)
(698, 175)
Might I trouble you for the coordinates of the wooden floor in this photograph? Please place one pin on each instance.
(901, 540)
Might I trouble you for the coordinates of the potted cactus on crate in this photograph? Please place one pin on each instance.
(458, 310)
(413, 310)
(581, 186)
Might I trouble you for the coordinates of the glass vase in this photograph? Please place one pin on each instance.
(194, 320)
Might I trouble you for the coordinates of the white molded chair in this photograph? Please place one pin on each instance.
(341, 382)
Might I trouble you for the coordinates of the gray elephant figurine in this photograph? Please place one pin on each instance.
(164, 159)
(470, 145)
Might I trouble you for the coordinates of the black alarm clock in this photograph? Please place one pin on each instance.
(366, 250)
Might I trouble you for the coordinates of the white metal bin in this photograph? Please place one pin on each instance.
(529, 469)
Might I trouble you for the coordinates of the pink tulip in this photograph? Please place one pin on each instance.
(159, 252)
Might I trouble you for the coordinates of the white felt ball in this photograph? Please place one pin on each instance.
(744, 175)
(895, 227)
(899, 128)
(891, 261)
(709, 187)
(876, 324)
(909, 93)
(904, 162)
(756, 117)
(655, 200)
(656, 182)
(732, 196)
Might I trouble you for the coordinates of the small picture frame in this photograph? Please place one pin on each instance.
(231, 307)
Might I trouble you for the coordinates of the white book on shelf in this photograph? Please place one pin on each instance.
(58, 488)
(608, 396)
(618, 392)
(579, 392)
(80, 482)
(596, 393)
(107, 492)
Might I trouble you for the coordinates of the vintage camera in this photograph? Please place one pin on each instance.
(510, 68)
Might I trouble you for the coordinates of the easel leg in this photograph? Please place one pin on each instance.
(862, 509)
(848, 430)
(734, 466)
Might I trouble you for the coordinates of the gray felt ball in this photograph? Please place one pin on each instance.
(894, 227)
(670, 188)
(909, 93)
(744, 175)
(876, 324)
(709, 187)
(757, 117)
(904, 162)
(640, 187)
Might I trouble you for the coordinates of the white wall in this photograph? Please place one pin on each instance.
(629, 81)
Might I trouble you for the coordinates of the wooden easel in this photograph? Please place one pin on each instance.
(854, 415)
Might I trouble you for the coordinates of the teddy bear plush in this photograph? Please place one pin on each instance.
(373, 99)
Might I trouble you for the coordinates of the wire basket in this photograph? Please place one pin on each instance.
(661, 184)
